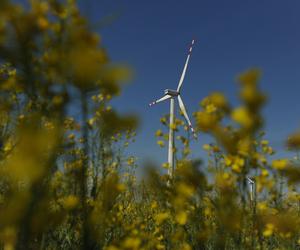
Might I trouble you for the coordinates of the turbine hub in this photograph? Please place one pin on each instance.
(171, 92)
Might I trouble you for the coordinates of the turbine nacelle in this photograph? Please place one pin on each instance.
(250, 181)
(171, 92)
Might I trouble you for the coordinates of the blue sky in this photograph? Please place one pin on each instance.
(232, 36)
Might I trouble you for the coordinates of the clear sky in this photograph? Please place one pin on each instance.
(232, 36)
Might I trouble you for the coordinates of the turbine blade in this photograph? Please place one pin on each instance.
(185, 67)
(183, 110)
(165, 97)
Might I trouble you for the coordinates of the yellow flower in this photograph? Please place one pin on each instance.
(263, 160)
(236, 168)
(293, 141)
(91, 121)
(173, 126)
(84, 64)
(219, 100)
(108, 97)
(213, 102)
(262, 206)
(286, 235)
(8, 146)
(185, 190)
(268, 150)
(130, 161)
(228, 160)
(242, 116)
(71, 136)
(236, 162)
(159, 133)
(206, 121)
(8, 235)
(179, 122)
(186, 151)
(280, 164)
(210, 108)
(181, 218)
(94, 98)
(163, 120)
(161, 217)
(70, 202)
(244, 146)
(160, 237)
(186, 246)
(42, 23)
(269, 230)
(12, 72)
(161, 143)
(135, 231)
(225, 176)
(250, 77)
(264, 172)
(132, 243)
(120, 187)
(207, 211)
(154, 205)
(40, 7)
(160, 246)
(165, 165)
(264, 142)
(216, 149)
(100, 97)
(206, 147)
(21, 117)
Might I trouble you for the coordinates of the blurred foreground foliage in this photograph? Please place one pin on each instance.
(67, 183)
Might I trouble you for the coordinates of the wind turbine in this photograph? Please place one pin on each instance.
(252, 188)
(171, 95)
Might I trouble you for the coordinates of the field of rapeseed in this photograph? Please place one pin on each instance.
(67, 183)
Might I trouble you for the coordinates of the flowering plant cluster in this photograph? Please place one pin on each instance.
(67, 180)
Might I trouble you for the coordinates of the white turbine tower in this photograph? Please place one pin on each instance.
(171, 95)
(252, 188)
